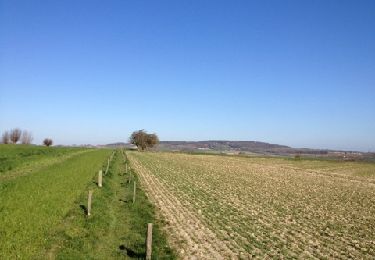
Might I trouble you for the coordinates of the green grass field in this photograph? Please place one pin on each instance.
(16, 160)
(43, 195)
(117, 227)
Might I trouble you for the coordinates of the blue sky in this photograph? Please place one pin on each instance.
(299, 73)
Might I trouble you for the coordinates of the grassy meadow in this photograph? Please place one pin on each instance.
(117, 227)
(43, 199)
(237, 207)
(16, 160)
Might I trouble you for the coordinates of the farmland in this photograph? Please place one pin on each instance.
(36, 198)
(17, 160)
(235, 207)
(43, 204)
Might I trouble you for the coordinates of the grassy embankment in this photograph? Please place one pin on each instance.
(117, 227)
(43, 195)
(18, 160)
(33, 203)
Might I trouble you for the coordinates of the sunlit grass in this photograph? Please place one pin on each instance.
(31, 206)
(117, 227)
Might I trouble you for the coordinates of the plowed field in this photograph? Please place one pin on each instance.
(221, 207)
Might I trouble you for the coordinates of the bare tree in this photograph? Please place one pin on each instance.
(5, 138)
(47, 142)
(27, 137)
(143, 140)
(15, 135)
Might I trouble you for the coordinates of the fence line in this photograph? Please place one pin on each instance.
(100, 184)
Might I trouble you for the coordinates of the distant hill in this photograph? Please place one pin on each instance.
(248, 147)
(118, 145)
(225, 146)
(218, 145)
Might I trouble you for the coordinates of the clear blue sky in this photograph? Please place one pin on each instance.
(299, 73)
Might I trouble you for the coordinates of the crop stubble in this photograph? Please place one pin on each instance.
(231, 207)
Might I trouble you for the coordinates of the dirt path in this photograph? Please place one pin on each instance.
(187, 233)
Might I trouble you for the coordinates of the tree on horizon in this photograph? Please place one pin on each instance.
(143, 140)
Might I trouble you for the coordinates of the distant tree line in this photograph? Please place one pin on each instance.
(17, 135)
(143, 140)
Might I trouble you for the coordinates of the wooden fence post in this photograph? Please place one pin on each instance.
(149, 241)
(89, 203)
(107, 167)
(100, 179)
(135, 184)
